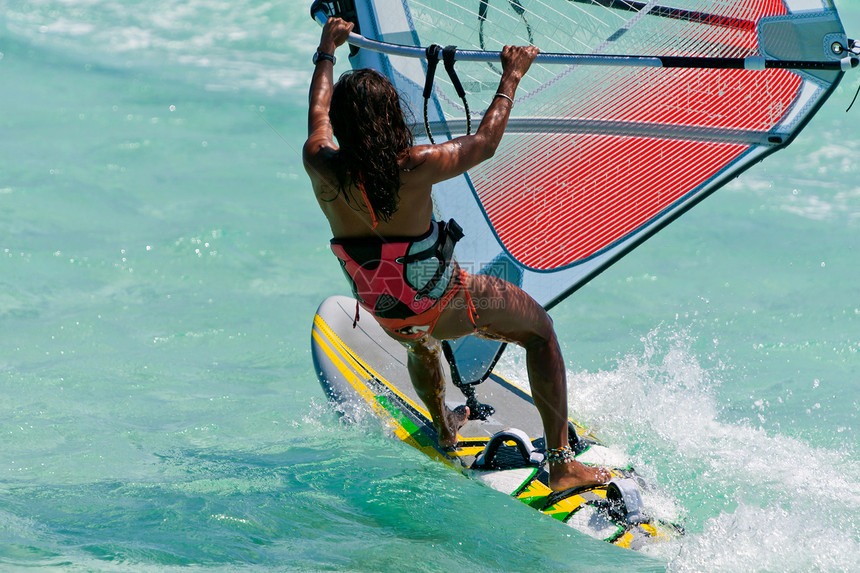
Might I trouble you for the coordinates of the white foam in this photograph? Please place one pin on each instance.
(767, 538)
(772, 502)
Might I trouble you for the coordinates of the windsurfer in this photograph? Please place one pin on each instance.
(375, 190)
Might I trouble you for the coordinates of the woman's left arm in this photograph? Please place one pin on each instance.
(320, 142)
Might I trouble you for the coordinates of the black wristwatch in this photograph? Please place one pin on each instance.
(318, 55)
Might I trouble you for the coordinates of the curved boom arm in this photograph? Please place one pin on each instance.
(848, 60)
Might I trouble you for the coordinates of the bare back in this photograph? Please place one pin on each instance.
(421, 166)
(349, 216)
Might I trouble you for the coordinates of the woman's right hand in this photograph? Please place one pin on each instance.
(516, 60)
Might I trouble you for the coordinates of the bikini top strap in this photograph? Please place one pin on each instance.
(369, 206)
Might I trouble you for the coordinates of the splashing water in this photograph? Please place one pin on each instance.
(754, 500)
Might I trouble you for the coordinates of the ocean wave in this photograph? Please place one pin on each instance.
(250, 44)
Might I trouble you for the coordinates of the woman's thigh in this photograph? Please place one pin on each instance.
(504, 312)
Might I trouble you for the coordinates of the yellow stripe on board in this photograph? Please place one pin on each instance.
(350, 376)
(330, 343)
(565, 506)
(359, 364)
(464, 449)
(654, 532)
(368, 395)
(625, 540)
(535, 489)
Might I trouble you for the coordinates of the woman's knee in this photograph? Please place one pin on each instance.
(423, 348)
(542, 333)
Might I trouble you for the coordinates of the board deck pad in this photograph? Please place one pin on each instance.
(362, 370)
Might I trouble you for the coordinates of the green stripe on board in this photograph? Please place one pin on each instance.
(417, 434)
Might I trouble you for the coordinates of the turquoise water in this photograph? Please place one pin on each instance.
(161, 258)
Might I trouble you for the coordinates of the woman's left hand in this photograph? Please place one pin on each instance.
(334, 34)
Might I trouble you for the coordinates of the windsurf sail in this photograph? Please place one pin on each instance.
(633, 113)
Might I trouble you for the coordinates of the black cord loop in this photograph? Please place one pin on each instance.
(432, 61)
(448, 55)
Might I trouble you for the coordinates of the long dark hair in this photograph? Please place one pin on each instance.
(372, 134)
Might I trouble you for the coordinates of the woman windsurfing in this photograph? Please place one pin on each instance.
(374, 187)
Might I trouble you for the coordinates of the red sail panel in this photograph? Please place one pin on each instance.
(734, 99)
(728, 99)
(568, 208)
(556, 199)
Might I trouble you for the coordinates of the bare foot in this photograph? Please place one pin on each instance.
(454, 420)
(565, 475)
